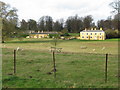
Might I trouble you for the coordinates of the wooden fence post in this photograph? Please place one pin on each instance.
(14, 61)
(54, 68)
(106, 68)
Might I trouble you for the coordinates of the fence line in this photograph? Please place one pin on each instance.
(86, 53)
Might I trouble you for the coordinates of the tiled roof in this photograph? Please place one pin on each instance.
(92, 31)
(39, 33)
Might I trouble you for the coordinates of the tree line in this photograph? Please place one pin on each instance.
(73, 24)
(46, 23)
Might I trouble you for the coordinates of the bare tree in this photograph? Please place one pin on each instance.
(116, 6)
(9, 20)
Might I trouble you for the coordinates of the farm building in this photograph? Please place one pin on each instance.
(39, 35)
(92, 35)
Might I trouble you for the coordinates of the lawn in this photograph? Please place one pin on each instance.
(76, 67)
(110, 46)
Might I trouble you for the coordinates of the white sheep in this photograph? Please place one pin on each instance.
(19, 49)
(93, 49)
(83, 47)
(103, 48)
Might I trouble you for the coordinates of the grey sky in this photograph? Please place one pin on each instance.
(34, 9)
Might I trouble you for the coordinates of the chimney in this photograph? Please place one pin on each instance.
(91, 28)
(101, 29)
(94, 28)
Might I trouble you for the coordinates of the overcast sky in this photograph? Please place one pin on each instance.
(57, 9)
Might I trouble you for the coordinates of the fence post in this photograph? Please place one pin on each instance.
(106, 68)
(54, 68)
(14, 61)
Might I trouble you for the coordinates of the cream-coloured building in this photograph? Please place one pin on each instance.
(38, 35)
(92, 35)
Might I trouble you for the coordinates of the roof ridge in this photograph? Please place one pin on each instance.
(92, 31)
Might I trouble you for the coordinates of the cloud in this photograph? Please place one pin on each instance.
(34, 9)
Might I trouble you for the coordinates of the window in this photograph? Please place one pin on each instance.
(86, 37)
(90, 37)
(100, 37)
(82, 33)
(100, 33)
(82, 36)
(86, 33)
(95, 33)
(90, 33)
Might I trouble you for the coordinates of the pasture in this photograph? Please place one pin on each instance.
(76, 67)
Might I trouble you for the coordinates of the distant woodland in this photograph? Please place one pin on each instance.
(12, 26)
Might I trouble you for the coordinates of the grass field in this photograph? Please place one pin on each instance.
(76, 67)
(111, 46)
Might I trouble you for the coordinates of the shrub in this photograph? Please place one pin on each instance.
(64, 31)
(111, 34)
(24, 35)
(65, 34)
(118, 33)
(20, 36)
(54, 35)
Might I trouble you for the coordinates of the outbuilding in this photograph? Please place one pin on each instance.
(39, 35)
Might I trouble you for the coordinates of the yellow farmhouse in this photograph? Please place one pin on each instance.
(92, 35)
(38, 35)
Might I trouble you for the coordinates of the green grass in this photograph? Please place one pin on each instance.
(77, 70)
(74, 34)
(111, 45)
